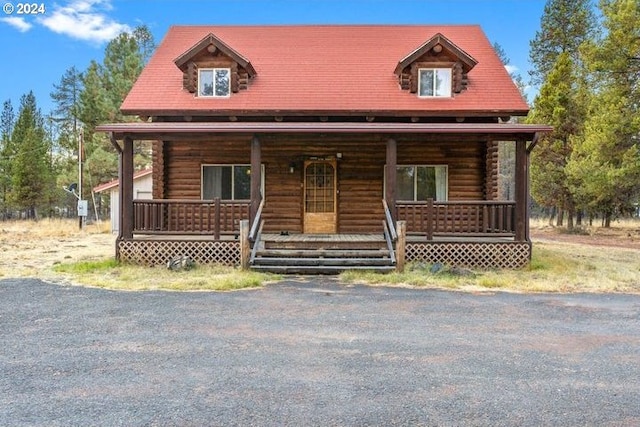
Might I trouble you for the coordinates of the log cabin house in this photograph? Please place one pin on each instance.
(323, 148)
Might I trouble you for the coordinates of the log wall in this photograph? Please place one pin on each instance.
(360, 171)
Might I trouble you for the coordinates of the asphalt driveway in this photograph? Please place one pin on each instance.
(315, 353)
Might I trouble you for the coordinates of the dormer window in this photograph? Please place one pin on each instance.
(212, 69)
(436, 69)
(434, 82)
(214, 82)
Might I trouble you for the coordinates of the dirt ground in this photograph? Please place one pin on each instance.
(626, 235)
(30, 249)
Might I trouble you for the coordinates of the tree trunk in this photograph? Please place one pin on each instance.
(560, 218)
(579, 216)
(551, 216)
(570, 214)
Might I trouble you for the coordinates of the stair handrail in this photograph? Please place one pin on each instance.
(389, 221)
(387, 237)
(256, 221)
(256, 243)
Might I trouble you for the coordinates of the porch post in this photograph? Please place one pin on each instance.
(390, 178)
(126, 189)
(256, 176)
(521, 191)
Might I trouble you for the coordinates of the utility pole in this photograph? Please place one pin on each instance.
(81, 202)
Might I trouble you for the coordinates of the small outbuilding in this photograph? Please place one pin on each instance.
(142, 189)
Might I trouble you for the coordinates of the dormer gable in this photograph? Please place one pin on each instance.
(437, 53)
(213, 58)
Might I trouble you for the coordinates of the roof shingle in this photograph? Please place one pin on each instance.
(337, 70)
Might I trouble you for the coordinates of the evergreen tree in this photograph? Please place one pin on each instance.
(31, 176)
(94, 107)
(146, 43)
(104, 88)
(66, 97)
(562, 102)
(6, 154)
(606, 165)
(122, 66)
(556, 105)
(564, 27)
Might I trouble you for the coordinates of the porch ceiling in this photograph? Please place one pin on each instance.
(161, 130)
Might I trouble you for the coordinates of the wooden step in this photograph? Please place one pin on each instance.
(319, 269)
(325, 253)
(345, 262)
(320, 254)
(317, 244)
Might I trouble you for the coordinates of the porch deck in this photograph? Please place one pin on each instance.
(477, 234)
(299, 237)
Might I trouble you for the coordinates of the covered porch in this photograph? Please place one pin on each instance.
(482, 232)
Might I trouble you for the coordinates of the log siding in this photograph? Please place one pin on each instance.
(360, 168)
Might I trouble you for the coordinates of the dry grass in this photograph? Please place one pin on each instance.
(602, 260)
(113, 275)
(555, 267)
(56, 250)
(31, 248)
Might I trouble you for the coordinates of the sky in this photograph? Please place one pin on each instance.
(37, 47)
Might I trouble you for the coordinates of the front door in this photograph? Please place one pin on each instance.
(320, 196)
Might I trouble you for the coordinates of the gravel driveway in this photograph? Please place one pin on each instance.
(314, 352)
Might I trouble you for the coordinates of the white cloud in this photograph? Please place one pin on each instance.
(17, 22)
(84, 20)
(511, 68)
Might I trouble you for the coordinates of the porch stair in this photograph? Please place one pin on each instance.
(322, 254)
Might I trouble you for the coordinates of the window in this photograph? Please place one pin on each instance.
(228, 182)
(435, 82)
(421, 183)
(214, 82)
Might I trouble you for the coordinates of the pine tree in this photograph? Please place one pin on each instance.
(94, 107)
(146, 43)
(606, 166)
(104, 88)
(556, 105)
(122, 66)
(6, 154)
(564, 27)
(31, 175)
(66, 97)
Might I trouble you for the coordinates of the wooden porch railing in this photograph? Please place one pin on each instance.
(214, 217)
(389, 230)
(468, 218)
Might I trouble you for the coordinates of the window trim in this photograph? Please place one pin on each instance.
(415, 179)
(436, 69)
(232, 165)
(213, 70)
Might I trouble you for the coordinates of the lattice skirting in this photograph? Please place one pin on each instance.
(485, 255)
(159, 252)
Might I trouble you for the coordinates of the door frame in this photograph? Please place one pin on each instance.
(320, 222)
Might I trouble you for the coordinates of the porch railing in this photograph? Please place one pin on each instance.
(468, 218)
(212, 217)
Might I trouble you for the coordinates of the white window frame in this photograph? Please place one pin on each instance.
(415, 181)
(435, 70)
(233, 166)
(213, 71)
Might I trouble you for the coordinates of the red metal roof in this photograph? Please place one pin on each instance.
(116, 182)
(338, 70)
